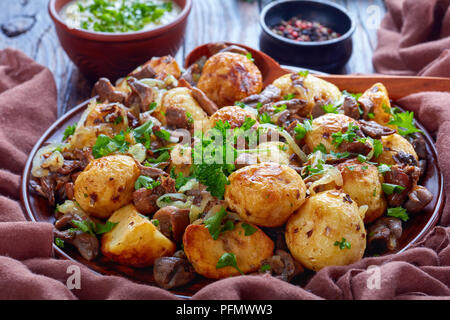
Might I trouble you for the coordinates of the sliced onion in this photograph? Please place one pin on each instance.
(289, 140)
(138, 152)
(196, 211)
(362, 211)
(70, 206)
(331, 174)
(191, 184)
(153, 83)
(179, 204)
(47, 159)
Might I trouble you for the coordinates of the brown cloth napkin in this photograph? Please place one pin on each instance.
(414, 39)
(28, 269)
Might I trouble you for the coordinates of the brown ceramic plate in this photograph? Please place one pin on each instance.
(37, 208)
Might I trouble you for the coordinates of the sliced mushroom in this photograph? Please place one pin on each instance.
(171, 272)
(383, 234)
(268, 95)
(419, 197)
(350, 107)
(283, 266)
(143, 72)
(172, 222)
(374, 129)
(207, 104)
(107, 93)
(141, 96)
(87, 244)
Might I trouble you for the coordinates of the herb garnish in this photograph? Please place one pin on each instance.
(343, 244)
(70, 130)
(398, 212)
(228, 260)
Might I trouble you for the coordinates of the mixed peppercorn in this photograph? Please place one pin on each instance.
(305, 31)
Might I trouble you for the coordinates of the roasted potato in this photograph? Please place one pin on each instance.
(106, 184)
(233, 114)
(274, 151)
(228, 77)
(203, 252)
(265, 194)
(312, 89)
(182, 98)
(393, 144)
(108, 119)
(362, 182)
(166, 65)
(327, 230)
(322, 129)
(376, 101)
(135, 241)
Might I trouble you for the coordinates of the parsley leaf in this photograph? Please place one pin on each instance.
(213, 223)
(59, 242)
(101, 228)
(343, 244)
(289, 96)
(265, 267)
(180, 180)
(280, 108)
(145, 182)
(70, 130)
(228, 260)
(303, 73)
(240, 104)
(104, 145)
(320, 148)
(405, 123)
(163, 134)
(265, 118)
(398, 212)
(301, 129)
(249, 229)
(349, 135)
(330, 108)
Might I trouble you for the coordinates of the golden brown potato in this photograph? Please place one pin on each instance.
(182, 98)
(265, 194)
(228, 77)
(322, 129)
(203, 252)
(134, 241)
(233, 114)
(165, 65)
(362, 183)
(376, 100)
(274, 151)
(314, 90)
(393, 144)
(106, 184)
(108, 119)
(313, 231)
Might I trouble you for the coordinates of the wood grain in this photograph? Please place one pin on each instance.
(210, 20)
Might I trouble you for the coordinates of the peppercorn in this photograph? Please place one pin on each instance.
(304, 31)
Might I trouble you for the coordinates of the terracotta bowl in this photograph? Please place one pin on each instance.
(112, 55)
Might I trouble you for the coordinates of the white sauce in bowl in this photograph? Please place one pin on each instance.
(77, 14)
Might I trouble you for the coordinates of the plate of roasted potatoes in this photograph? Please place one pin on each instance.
(177, 177)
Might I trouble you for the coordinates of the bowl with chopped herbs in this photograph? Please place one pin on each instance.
(310, 34)
(110, 38)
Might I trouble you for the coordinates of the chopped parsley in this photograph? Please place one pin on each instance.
(59, 242)
(301, 129)
(180, 180)
(370, 115)
(228, 260)
(214, 224)
(240, 104)
(152, 106)
(398, 212)
(249, 56)
(249, 229)
(330, 108)
(289, 96)
(265, 267)
(121, 16)
(155, 222)
(405, 123)
(92, 228)
(349, 135)
(105, 145)
(163, 134)
(265, 118)
(320, 148)
(146, 182)
(343, 244)
(118, 120)
(280, 108)
(70, 130)
(303, 73)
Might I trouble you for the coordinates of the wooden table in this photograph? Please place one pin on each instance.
(209, 21)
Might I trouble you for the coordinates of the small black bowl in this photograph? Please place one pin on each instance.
(327, 56)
